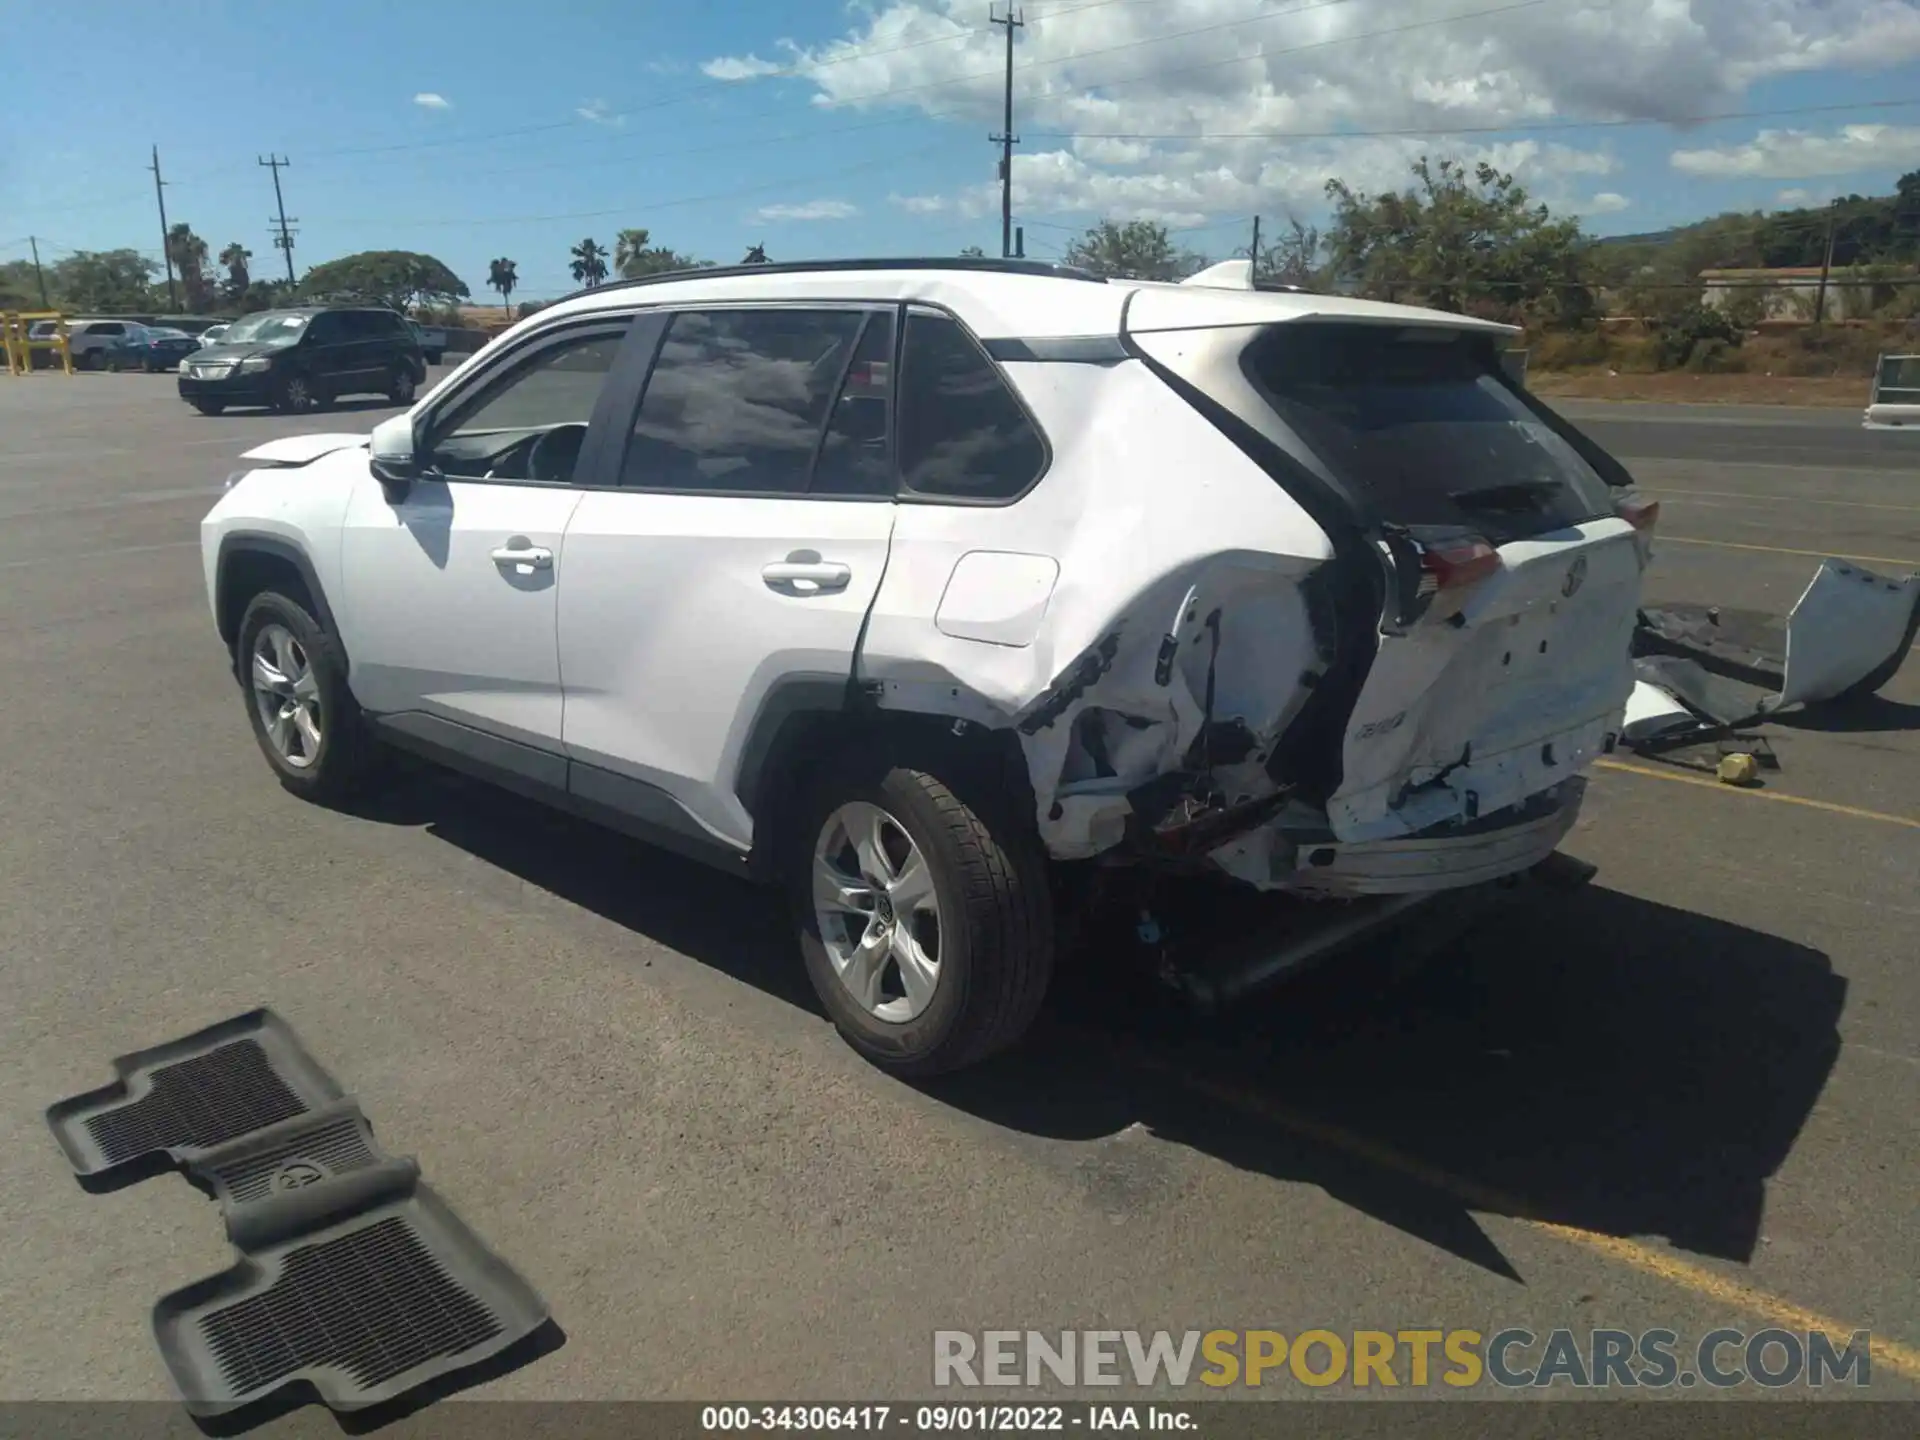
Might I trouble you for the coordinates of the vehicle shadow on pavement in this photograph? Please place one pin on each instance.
(1583, 1057)
(1860, 715)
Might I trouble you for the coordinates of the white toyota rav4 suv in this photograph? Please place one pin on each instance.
(915, 587)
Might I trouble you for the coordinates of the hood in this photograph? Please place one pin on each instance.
(295, 450)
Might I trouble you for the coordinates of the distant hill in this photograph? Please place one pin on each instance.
(1868, 230)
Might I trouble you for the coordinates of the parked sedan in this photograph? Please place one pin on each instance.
(159, 348)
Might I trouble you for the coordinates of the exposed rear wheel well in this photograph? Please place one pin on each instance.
(988, 764)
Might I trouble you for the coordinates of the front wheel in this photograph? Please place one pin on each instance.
(303, 715)
(299, 395)
(208, 407)
(925, 922)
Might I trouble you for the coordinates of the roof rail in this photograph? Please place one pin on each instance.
(896, 262)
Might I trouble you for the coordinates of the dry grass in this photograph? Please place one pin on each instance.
(1683, 387)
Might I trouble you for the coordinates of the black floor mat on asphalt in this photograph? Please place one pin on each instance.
(190, 1095)
(376, 1289)
(355, 1281)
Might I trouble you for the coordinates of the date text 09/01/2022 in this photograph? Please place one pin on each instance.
(942, 1418)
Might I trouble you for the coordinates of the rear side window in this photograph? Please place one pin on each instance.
(1416, 422)
(739, 399)
(963, 435)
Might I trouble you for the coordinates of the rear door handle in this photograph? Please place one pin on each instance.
(806, 577)
(524, 556)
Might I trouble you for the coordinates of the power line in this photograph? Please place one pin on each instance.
(1414, 131)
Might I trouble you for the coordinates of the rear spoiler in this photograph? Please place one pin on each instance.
(1238, 275)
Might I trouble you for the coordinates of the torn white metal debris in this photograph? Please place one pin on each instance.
(1847, 625)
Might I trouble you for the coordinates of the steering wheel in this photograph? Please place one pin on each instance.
(555, 452)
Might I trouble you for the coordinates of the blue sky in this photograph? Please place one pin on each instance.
(496, 128)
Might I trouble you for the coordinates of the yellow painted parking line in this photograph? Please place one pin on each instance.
(1665, 491)
(1664, 539)
(1854, 811)
(1903, 1360)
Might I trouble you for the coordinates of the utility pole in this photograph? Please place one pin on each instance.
(166, 246)
(38, 273)
(1826, 266)
(1253, 257)
(1006, 139)
(282, 233)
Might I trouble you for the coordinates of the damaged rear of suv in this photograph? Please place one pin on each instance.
(938, 591)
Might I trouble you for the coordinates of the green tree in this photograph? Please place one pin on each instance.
(1137, 250)
(756, 255)
(973, 252)
(503, 275)
(189, 255)
(239, 279)
(589, 263)
(1294, 258)
(103, 282)
(400, 279)
(1466, 241)
(265, 295)
(634, 257)
(19, 288)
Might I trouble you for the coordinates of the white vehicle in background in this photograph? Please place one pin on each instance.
(923, 589)
(1895, 398)
(211, 335)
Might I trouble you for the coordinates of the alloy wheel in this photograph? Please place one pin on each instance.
(288, 696)
(878, 915)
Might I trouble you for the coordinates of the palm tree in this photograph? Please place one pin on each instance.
(629, 251)
(589, 263)
(233, 259)
(502, 276)
(189, 255)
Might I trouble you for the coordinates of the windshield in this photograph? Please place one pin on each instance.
(266, 328)
(1418, 422)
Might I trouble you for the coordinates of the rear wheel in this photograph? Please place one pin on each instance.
(400, 386)
(304, 717)
(925, 922)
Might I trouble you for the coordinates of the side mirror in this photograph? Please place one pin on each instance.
(391, 456)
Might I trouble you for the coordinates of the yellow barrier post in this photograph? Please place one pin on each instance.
(19, 342)
(9, 322)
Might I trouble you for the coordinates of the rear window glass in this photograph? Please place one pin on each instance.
(1417, 424)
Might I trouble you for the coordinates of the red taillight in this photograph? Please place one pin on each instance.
(1456, 565)
(1643, 515)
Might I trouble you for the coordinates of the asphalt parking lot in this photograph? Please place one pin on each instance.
(1682, 1097)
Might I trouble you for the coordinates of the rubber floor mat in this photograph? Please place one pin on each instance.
(354, 1280)
(192, 1095)
(383, 1290)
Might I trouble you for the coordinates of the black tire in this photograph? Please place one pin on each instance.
(996, 936)
(347, 750)
(401, 386)
(208, 407)
(95, 360)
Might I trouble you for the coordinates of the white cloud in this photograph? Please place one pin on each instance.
(808, 210)
(1607, 202)
(1802, 154)
(1793, 197)
(428, 100)
(1101, 86)
(598, 112)
(740, 67)
(921, 204)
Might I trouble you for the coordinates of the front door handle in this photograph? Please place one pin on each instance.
(807, 577)
(523, 557)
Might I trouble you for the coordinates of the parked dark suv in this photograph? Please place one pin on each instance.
(304, 359)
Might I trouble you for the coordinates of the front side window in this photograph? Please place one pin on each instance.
(739, 399)
(963, 435)
(531, 424)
